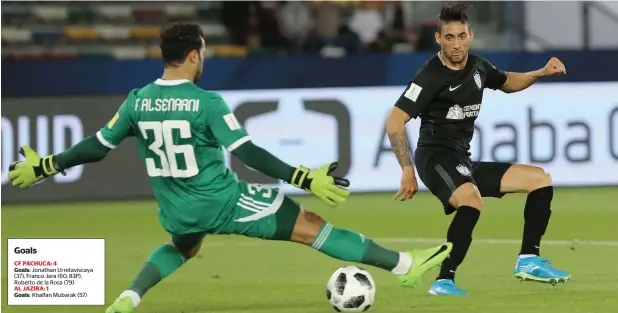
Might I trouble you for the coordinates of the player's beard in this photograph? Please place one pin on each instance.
(198, 75)
(457, 59)
(198, 71)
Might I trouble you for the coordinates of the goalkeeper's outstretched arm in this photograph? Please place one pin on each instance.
(95, 148)
(35, 168)
(89, 150)
(233, 136)
(320, 182)
(263, 161)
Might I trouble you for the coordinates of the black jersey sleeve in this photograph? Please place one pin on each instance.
(495, 77)
(419, 94)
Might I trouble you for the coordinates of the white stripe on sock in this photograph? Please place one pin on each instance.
(320, 236)
(327, 231)
(135, 298)
(404, 264)
(330, 230)
(323, 236)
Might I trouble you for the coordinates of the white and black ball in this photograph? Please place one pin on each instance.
(351, 289)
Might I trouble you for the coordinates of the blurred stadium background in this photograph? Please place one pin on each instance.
(313, 82)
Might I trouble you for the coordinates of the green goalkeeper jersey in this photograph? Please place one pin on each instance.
(181, 129)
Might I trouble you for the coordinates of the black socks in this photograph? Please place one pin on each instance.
(536, 218)
(460, 234)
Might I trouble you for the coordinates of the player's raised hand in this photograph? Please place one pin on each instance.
(409, 186)
(554, 67)
(32, 170)
(322, 183)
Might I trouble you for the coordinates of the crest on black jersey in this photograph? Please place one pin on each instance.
(477, 79)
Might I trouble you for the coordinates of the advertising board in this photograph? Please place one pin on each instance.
(569, 129)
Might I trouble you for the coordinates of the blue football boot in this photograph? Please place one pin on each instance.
(537, 269)
(446, 287)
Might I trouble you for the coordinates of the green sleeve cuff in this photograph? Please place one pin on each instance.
(263, 161)
(89, 150)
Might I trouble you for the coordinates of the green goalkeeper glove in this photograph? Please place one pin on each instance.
(321, 183)
(34, 169)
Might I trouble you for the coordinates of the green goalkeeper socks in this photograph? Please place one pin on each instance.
(161, 263)
(350, 246)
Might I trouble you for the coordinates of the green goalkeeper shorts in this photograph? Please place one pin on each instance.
(260, 212)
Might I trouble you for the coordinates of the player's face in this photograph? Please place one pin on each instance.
(454, 38)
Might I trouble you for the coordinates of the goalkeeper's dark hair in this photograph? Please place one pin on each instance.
(178, 40)
(453, 12)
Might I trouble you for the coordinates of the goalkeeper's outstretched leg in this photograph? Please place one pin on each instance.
(264, 212)
(343, 244)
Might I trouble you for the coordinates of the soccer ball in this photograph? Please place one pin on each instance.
(351, 289)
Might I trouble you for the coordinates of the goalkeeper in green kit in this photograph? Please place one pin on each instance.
(181, 129)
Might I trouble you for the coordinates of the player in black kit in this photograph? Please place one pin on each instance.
(447, 93)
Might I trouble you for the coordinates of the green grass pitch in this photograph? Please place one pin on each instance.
(233, 274)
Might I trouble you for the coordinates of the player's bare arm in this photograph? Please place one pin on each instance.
(415, 98)
(519, 81)
(395, 127)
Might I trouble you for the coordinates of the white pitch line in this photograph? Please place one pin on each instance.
(492, 241)
(489, 241)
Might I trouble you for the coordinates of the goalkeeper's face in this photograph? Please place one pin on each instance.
(200, 63)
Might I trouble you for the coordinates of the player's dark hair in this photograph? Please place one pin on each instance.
(453, 12)
(178, 40)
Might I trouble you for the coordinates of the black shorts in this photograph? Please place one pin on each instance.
(443, 170)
